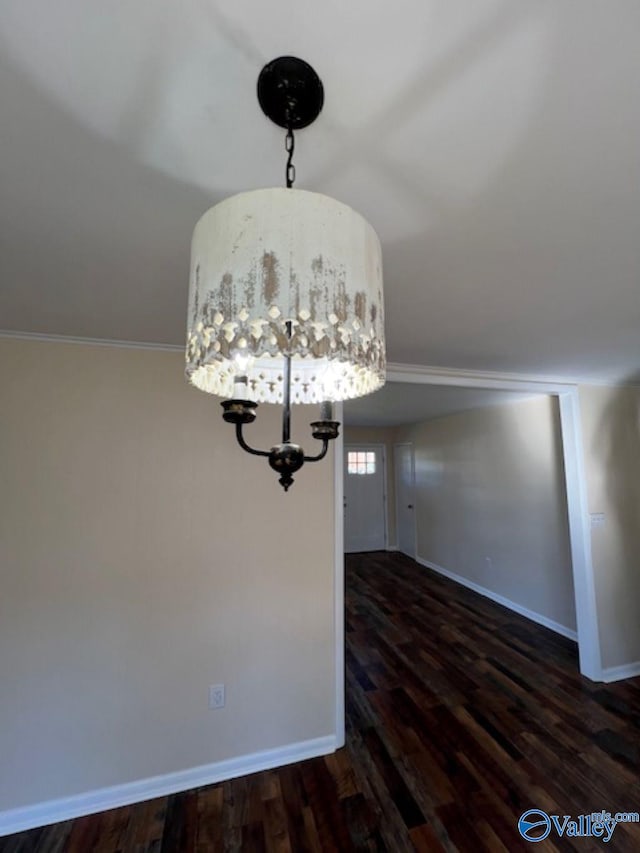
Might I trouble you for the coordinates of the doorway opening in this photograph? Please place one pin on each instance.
(402, 386)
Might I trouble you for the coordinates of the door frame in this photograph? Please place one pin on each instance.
(589, 647)
(381, 446)
(395, 485)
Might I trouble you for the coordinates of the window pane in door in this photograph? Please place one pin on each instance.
(361, 462)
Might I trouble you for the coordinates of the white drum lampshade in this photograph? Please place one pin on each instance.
(266, 258)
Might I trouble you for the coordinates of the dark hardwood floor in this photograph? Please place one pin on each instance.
(461, 715)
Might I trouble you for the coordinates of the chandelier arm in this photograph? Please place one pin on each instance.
(322, 454)
(243, 444)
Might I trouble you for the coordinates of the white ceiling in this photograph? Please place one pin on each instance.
(495, 146)
(402, 403)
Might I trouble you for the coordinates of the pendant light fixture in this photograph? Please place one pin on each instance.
(285, 293)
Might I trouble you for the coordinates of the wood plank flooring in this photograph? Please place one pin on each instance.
(461, 715)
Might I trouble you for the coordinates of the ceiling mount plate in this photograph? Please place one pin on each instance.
(290, 92)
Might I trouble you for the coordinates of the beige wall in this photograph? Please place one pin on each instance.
(143, 557)
(491, 504)
(611, 440)
(379, 435)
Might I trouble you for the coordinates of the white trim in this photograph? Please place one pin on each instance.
(98, 342)
(500, 599)
(617, 673)
(498, 380)
(115, 796)
(382, 447)
(338, 581)
(580, 536)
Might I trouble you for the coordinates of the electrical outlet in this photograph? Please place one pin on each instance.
(216, 696)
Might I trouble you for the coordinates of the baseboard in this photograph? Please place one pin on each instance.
(500, 599)
(54, 811)
(617, 673)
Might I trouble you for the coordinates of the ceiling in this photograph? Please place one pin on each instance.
(410, 403)
(495, 147)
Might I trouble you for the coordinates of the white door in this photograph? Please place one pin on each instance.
(405, 512)
(364, 507)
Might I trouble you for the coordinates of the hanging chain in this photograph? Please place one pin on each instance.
(289, 145)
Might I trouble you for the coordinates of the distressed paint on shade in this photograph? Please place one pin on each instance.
(296, 256)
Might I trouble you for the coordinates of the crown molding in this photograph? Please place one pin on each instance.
(37, 337)
(396, 372)
(543, 383)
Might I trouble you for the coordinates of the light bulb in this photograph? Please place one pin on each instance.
(330, 381)
(242, 361)
(240, 387)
